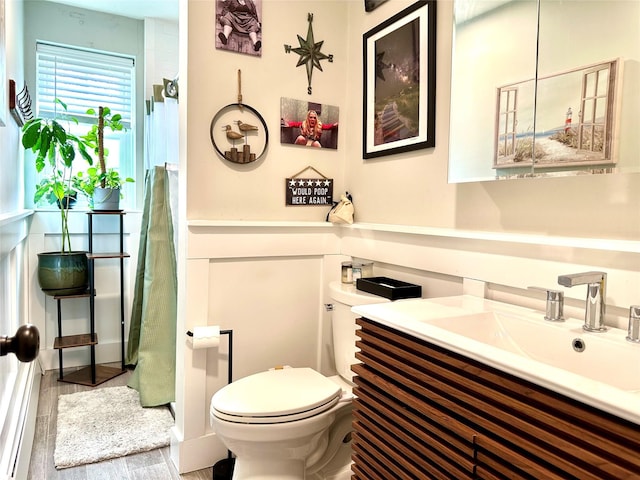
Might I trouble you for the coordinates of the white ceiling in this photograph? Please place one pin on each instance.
(168, 9)
(164, 9)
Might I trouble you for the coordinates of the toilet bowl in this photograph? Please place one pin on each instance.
(291, 423)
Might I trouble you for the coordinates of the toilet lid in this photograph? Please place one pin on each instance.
(267, 397)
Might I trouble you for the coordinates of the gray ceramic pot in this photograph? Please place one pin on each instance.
(106, 199)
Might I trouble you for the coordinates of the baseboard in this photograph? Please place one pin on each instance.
(28, 413)
(197, 453)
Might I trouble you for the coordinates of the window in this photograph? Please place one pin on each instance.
(85, 79)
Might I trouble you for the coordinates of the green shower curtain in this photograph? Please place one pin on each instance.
(152, 332)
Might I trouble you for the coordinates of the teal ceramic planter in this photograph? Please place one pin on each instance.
(63, 273)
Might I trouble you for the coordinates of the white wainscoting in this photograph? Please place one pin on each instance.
(19, 382)
(259, 278)
(264, 281)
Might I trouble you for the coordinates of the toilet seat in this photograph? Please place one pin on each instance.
(276, 396)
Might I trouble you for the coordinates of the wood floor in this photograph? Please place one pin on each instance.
(153, 465)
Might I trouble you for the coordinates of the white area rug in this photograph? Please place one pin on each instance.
(107, 423)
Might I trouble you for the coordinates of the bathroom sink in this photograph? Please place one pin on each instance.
(562, 345)
(600, 369)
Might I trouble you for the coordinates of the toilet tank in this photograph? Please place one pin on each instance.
(343, 322)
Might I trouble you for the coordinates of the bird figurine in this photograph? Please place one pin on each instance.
(245, 127)
(232, 135)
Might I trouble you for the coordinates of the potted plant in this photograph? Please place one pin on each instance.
(46, 190)
(63, 272)
(90, 183)
(102, 186)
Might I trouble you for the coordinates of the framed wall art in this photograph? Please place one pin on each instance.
(238, 26)
(573, 114)
(308, 123)
(400, 82)
(370, 5)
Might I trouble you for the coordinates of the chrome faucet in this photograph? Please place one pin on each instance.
(634, 324)
(595, 306)
(555, 304)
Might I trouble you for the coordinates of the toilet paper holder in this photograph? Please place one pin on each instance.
(230, 363)
(229, 367)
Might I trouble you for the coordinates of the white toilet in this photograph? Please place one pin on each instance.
(294, 423)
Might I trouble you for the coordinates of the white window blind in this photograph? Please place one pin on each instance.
(83, 79)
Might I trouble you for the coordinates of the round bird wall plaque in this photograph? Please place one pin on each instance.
(239, 134)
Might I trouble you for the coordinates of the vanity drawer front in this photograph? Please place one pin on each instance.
(521, 430)
(409, 443)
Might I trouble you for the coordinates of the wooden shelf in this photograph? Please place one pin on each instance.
(81, 340)
(76, 295)
(106, 212)
(83, 376)
(94, 256)
(93, 374)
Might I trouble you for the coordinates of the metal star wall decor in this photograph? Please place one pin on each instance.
(309, 51)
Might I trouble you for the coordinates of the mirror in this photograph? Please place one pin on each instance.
(544, 88)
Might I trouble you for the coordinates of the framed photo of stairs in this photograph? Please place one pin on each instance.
(399, 82)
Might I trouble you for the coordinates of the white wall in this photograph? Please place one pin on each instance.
(18, 381)
(218, 189)
(406, 189)
(11, 189)
(161, 53)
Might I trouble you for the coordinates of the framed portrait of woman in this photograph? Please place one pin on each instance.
(238, 26)
(309, 124)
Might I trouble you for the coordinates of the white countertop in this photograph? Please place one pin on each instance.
(413, 316)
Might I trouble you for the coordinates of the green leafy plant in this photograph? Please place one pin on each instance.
(103, 177)
(55, 150)
(87, 182)
(48, 189)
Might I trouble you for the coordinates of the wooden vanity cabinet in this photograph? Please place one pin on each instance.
(425, 412)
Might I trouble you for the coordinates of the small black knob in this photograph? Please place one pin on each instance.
(25, 344)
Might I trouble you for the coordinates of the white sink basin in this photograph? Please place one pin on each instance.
(600, 369)
(562, 345)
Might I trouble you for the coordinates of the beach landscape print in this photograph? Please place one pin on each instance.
(565, 119)
(399, 82)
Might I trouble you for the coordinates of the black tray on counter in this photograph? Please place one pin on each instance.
(389, 288)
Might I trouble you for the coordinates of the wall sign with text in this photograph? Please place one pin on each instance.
(309, 191)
